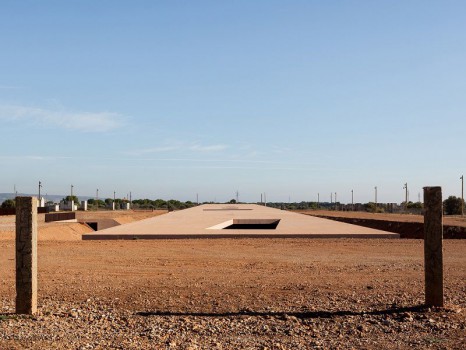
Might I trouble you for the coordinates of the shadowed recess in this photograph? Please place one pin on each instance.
(253, 224)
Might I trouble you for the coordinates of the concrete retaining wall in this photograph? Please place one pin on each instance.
(60, 216)
(405, 229)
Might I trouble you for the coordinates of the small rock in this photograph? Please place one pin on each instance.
(361, 328)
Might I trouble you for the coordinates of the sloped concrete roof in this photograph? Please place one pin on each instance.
(208, 221)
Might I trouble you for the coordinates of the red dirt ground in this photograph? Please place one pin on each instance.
(235, 294)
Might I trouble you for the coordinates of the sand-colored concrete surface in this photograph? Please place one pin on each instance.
(206, 221)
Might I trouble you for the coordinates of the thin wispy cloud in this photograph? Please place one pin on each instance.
(61, 118)
(146, 159)
(222, 167)
(32, 157)
(161, 149)
(211, 148)
(178, 148)
(226, 160)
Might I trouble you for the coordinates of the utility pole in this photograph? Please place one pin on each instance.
(237, 196)
(331, 197)
(462, 195)
(197, 198)
(130, 200)
(265, 199)
(406, 196)
(114, 193)
(336, 205)
(375, 188)
(318, 200)
(72, 191)
(40, 186)
(352, 201)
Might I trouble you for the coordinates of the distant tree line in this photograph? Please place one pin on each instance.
(71, 198)
(8, 204)
(299, 206)
(171, 204)
(369, 207)
(451, 205)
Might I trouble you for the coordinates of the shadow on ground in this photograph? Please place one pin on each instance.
(303, 315)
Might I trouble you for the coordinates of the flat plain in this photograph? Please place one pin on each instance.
(234, 294)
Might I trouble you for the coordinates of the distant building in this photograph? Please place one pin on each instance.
(41, 202)
(69, 206)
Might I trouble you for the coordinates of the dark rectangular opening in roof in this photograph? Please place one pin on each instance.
(253, 224)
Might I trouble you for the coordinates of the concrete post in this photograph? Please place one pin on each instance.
(26, 255)
(433, 241)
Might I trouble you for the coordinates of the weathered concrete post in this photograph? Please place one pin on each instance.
(433, 242)
(26, 255)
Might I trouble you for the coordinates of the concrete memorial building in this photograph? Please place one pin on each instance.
(235, 221)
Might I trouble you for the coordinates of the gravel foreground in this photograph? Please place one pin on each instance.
(99, 324)
(235, 294)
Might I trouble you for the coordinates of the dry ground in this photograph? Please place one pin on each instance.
(121, 216)
(235, 294)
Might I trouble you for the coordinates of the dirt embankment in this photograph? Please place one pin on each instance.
(408, 226)
(122, 217)
(72, 231)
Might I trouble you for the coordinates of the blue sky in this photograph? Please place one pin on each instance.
(167, 99)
